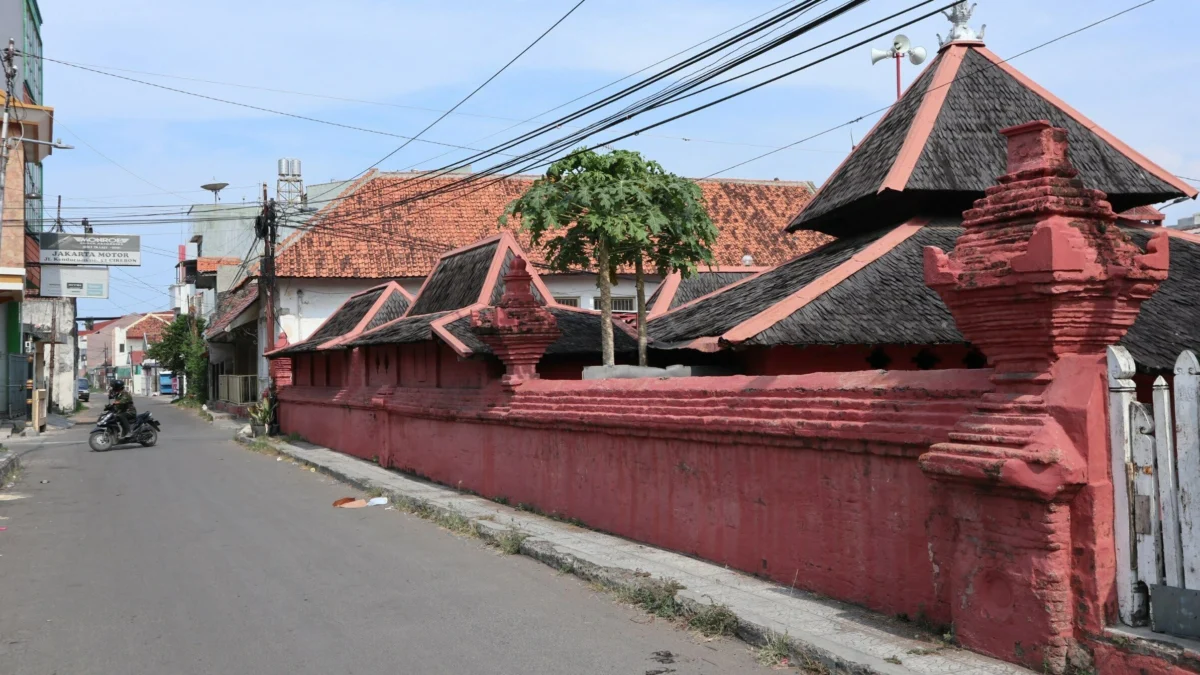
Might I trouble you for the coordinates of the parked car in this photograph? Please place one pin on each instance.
(85, 389)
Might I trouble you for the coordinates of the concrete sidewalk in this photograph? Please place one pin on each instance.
(841, 637)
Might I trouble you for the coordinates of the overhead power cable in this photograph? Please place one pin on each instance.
(475, 90)
(955, 79)
(535, 157)
(961, 76)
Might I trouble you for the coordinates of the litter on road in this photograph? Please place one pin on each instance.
(378, 501)
(350, 503)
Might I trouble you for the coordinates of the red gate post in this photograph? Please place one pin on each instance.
(1042, 281)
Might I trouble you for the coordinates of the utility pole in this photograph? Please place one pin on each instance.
(58, 227)
(10, 77)
(266, 229)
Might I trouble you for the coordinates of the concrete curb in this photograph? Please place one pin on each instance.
(822, 634)
(10, 463)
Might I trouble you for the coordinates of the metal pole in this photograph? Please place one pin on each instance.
(897, 57)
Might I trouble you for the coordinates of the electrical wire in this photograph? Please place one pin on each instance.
(955, 79)
(740, 37)
(476, 90)
(536, 155)
(1027, 51)
(805, 7)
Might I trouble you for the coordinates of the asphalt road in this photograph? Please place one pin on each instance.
(200, 557)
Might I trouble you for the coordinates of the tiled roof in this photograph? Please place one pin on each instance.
(149, 327)
(939, 148)
(97, 327)
(137, 358)
(362, 237)
(231, 306)
(206, 265)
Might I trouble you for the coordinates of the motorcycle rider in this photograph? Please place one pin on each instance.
(123, 405)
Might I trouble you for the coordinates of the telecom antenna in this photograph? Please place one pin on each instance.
(215, 188)
(289, 188)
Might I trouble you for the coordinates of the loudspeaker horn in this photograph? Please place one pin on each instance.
(917, 55)
(878, 55)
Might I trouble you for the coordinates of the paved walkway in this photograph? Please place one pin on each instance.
(840, 636)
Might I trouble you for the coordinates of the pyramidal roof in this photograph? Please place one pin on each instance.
(939, 148)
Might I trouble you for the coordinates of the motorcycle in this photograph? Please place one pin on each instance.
(143, 429)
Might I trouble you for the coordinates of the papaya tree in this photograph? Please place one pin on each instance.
(601, 211)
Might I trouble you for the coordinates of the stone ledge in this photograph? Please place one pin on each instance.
(842, 637)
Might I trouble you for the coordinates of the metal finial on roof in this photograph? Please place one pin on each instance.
(959, 16)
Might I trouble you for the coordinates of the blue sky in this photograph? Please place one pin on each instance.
(140, 146)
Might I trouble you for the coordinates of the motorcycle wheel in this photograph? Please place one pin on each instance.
(148, 437)
(100, 441)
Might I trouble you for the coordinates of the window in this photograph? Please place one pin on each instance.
(619, 304)
(121, 347)
(623, 304)
(569, 301)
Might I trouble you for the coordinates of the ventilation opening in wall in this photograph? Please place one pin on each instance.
(622, 304)
(569, 301)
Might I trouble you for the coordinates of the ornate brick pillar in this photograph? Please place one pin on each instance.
(519, 329)
(1042, 281)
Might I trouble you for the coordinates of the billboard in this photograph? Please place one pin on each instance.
(74, 282)
(61, 248)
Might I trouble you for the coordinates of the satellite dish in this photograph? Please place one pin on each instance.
(215, 188)
(917, 55)
(901, 43)
(878, 55)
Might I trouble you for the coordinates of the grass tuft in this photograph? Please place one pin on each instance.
(713, 620)
(510, 541)
(776, 651)
(457, 523)
(656, 597)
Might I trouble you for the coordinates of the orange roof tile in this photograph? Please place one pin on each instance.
(362, 236)
(212, 263)
(149, 327)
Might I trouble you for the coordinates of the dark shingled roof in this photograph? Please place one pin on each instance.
(964, 153)
(580, 335)
(1170, 320)
(703, 283)
(406, 330)
(456, 282)
(886, 302)
(342, 321)
(393, 308)
(864, 170)
(721, 312)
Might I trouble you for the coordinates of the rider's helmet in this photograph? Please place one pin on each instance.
(118, 385)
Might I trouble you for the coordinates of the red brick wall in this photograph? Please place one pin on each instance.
(811, 480)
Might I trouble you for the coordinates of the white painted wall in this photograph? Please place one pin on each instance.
(44, 313)
(583, 286)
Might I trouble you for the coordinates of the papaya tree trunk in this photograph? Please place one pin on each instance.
(640, 278)
(604, 281)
